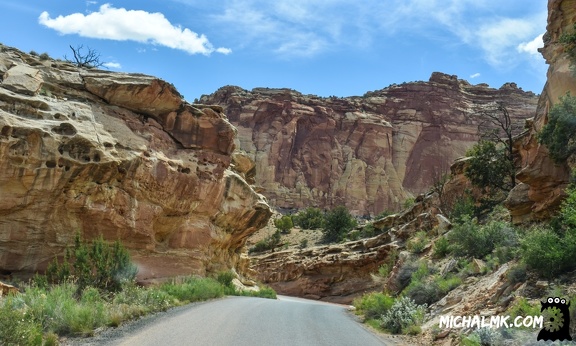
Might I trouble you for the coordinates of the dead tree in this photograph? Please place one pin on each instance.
(89, 60)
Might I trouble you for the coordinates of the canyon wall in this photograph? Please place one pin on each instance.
(369, 153)
(122, 156)
(542, 182)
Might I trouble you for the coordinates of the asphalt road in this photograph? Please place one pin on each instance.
(243, 321)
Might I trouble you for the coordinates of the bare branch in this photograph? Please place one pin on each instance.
(88, 60)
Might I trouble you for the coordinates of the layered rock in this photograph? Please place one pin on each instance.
(368, 153)
(118, 155)
(334, 273)
(341, 272)
(542, 182)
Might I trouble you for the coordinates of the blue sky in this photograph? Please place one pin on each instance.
(322, 47)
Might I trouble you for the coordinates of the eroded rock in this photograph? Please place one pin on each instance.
(122, 156)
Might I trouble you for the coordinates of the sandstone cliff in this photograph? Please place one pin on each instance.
(120, 155)
(542, 182)
(369, 153)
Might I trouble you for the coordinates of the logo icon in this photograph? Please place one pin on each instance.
(556, 315)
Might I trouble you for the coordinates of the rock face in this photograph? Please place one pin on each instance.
(368, 153)
(542, 181)
(118, 155)
(341, 272)
(334, 273)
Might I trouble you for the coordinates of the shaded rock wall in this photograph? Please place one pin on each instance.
(542, 182)
(369, 153)
(121, 155)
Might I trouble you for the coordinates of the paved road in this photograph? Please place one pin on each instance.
(250, 321)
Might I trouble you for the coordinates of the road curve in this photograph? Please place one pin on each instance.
(246, 321)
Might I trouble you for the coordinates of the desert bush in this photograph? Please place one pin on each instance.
(482, 337)
(310, 218)
(225, 278)
(516, 274)
(303, 244)
(418, 242)
(559, 134)
(99, 265)
(387, 266)
(468, 238)
(382, 215)
(463, 206)
(373, 305)
(284, 224)
(568, 40)
(403, 314)
(409, 202)
(405, 274)
(549, 253)
(33, 52)
(264, 292)
(16, 326)
(427, 290)
(269, 243)
(338, 223)
(44, 56)
(441, 247)
(194, 289)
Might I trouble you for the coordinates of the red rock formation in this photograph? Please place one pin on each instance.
(369, 153)
(120, 155)
(542, 182)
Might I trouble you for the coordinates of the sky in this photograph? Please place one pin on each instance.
(321, 47)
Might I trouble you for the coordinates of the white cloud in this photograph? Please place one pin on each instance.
(475, 75)
(114, 65)
(135, 25)
(532, 46)
(307, 28)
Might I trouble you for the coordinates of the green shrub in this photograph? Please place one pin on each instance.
(481, 337)
(33, 52)
(98, 265)
(489, 167)
(463, 207)
(418, 242)
(44, 56)
(310, 218)
(194, 289)
(516, 274)
(386, 267)
(468, 238)
(337, 224)
(441, 247)
(403, 314)
(568, 40)
(382, 215)
(269, 243)
(284, 224)
(425, 289)
(551, 250)
(225, 278)
(373, 305)
(548, 253)
(559, 134)
(409, 202)
(16, 326)
(522, 307)
(263, 292)
(303, 243)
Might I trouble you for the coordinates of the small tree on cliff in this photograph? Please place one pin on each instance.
(284, 224)
(559, 134)
(338, 223)
(491, 166)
